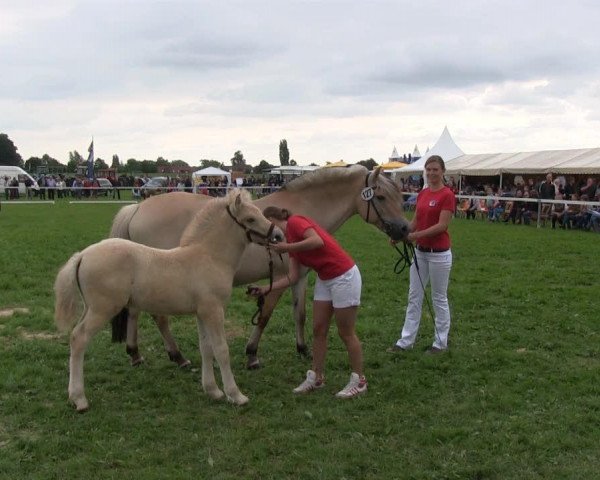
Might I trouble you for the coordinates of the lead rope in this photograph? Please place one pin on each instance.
(407, 257)
(260, 301)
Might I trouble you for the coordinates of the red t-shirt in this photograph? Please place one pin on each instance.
(329, 261)
(429, 207)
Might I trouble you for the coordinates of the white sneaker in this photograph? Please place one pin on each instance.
(311, 383)
(356, 386)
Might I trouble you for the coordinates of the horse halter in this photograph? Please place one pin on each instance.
(250, 231)
(368, 195)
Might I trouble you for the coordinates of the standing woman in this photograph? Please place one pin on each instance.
(336, 293)
(433, 258)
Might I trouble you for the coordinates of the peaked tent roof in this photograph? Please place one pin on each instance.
(212, 172)
(339, 163)
(395, 154)
(445, 147)
(416, 153)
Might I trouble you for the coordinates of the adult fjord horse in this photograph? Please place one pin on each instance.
(195, 277)
(330, 196)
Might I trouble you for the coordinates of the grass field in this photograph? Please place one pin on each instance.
(517, 397)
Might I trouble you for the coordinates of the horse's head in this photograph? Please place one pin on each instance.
(380, 203)
(258, 229)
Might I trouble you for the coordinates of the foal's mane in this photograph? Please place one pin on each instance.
(324, 176)
(210, 214)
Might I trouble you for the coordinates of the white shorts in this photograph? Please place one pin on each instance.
(342, 291)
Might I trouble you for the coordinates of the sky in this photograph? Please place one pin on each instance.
(351, 80)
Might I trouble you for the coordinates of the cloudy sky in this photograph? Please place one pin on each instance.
(337, 79)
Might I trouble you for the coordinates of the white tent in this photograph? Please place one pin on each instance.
(293, 169)
(445, 147)
(209, 172)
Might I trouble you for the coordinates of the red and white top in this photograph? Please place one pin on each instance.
(329, 261)
(429, 207)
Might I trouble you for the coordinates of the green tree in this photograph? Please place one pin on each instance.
(133, 166)
(370, 163)
(238, 162)
(284, 153)
(293, 162)
(148, 166)
(211, 163)
(262, 167)
(179, 163)
(115, 162)
(161, 162)
(100, 164)
(8, 152)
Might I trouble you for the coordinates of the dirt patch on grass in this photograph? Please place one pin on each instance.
(10, 311)
(37, 335)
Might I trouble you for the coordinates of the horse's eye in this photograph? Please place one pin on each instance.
(380, 197)
(250, 220)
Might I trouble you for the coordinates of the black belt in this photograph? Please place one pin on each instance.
(431, 250)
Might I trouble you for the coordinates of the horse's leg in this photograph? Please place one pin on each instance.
(299, 312)
(209, 384)
(131, 345)
(80, 337)
(214, 318)
(264, 316)
(162, 322)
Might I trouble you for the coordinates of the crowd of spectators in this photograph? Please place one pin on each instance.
(562, 202)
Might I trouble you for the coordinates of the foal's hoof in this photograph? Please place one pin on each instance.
(239, 399)
(214, 393)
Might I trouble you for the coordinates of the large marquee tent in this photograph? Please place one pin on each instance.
(579, 161)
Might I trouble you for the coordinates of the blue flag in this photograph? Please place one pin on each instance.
(90, 161)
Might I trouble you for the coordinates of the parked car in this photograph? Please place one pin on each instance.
(104, 186)
(154, 186)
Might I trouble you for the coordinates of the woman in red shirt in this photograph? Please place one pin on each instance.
(337, 293)
(433, 258)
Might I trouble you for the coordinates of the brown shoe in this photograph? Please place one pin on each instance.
(434, 351)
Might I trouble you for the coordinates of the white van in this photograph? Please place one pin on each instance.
(11, 172)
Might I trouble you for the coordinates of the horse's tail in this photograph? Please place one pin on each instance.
(120, 224)
(67, 293)
(119, 326)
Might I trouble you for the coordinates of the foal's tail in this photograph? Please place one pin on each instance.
(67, 293)
(120, 224)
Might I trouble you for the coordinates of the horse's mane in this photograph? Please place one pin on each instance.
(324, 176)
(212, 212)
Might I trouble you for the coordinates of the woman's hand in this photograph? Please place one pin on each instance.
(280, 247)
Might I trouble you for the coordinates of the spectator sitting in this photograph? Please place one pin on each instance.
(582, 217)
(558, 211)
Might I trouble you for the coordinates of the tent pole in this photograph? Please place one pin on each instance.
(500, 179)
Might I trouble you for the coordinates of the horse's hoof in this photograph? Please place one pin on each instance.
(137, 361)
(81, 405)
(185, 364)
(303, 351)
(239, 399)
(215, 394)
(253, 363)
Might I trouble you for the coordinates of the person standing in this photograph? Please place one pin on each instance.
(336, 294)
(433, 258)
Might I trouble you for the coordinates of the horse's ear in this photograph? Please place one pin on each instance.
(238, 201)
(375, 175)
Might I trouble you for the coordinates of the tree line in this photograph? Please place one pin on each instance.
(9, 155)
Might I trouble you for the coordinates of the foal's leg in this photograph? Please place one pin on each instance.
(162, 322)
(209, 384)
(299, 309)
(81, 335)
(214, 320)
(271, 300)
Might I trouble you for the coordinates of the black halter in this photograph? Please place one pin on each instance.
(368, 195)
(250, 231)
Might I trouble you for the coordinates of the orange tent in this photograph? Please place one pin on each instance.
(339, 163)
(392, 165)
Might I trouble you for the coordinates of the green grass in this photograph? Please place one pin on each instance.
(515, 398)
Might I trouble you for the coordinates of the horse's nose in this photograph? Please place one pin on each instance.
(277, 235)
(397, 230)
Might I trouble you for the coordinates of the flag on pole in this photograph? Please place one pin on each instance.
(90, 161)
